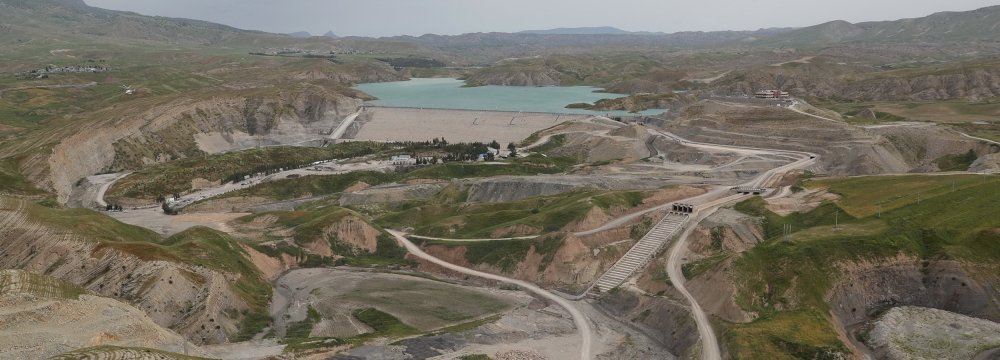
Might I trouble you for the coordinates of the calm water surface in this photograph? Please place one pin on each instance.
(449, 94)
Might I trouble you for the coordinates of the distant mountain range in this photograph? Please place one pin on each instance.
(600, 30)
(306, 35)
(71, 20)
(980, 24)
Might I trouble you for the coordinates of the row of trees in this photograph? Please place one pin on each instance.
(265, 170)
(453, 151)
(425, 161)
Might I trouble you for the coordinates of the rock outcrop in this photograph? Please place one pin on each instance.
(355, 232)
(866, 287)
(907, 332)
(986, 163)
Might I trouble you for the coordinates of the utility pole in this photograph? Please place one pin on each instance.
(836, 219)
(918, 198)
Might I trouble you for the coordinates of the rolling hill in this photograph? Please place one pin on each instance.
(27, 21)
(966, 26)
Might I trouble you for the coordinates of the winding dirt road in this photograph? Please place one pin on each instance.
(581, 321)
(710, 344)
(473, 240)
(706, 204)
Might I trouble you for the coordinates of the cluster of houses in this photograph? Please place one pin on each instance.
(352, 51)
(52, 69)
(286, 51)
(771, 94)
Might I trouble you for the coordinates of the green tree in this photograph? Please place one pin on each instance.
(513, 149)
(971, 156)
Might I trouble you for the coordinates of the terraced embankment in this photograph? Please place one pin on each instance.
(640, 253)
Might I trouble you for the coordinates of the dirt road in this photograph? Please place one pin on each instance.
(581, 321)
(474, 240)
(709, 343)
(342, 128)
(104, 189)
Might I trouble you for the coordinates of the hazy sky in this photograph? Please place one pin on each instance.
(417, 17)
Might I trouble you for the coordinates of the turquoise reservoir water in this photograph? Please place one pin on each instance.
(449, 94)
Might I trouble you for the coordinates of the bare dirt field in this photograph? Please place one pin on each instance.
(421, 303)
(154, 219)
(403, 124)
(943, 111)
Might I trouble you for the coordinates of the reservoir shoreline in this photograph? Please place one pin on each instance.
(450, 94)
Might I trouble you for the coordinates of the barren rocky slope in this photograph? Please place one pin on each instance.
(867, 286)
(180, 285)
(843, 149)
(665, 321)
(37, 307)
(832, 81)
(921, 333)
(188, 127)
(329, 232)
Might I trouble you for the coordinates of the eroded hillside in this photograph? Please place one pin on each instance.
(199, 283)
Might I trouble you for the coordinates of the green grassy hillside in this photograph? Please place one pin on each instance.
(546, 214)
(317, 185)
(786, 281)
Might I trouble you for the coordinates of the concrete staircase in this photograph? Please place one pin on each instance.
(642, 252)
